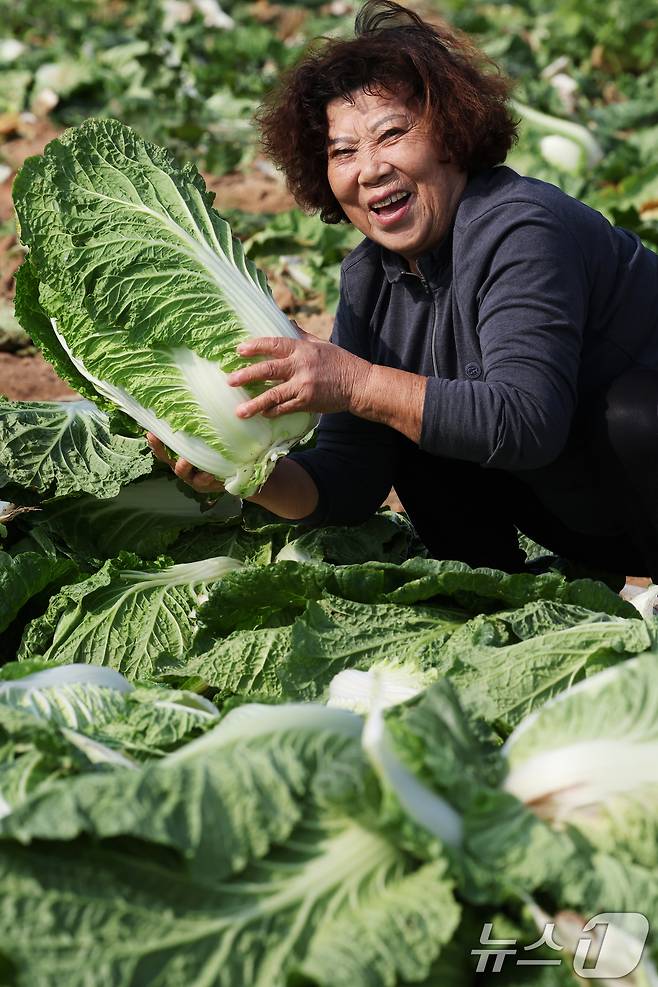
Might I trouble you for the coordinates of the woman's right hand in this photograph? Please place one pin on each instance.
(201, 482)
(288, 492)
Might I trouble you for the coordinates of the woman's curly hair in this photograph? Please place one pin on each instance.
(462, 94)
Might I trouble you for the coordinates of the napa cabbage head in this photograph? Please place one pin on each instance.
(589, 759)
(136, 290)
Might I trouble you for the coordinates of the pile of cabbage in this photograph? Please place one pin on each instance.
(236, 752)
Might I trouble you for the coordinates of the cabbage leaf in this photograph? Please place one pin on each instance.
(124, 615)
(268, 874)
(57, 448)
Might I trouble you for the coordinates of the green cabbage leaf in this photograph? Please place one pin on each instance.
(60, 448)
(125, 615)
(242, 858)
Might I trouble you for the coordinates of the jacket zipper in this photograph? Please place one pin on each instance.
(429, 291)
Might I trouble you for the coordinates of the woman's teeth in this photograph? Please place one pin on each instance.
(391, 200)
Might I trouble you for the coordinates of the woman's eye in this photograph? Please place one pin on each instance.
(341, 152)
(393, 132)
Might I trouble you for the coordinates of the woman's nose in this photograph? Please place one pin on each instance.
(373, 166)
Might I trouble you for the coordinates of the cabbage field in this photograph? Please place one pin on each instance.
(237, 752)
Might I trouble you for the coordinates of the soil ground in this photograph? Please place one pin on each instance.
(30, 378)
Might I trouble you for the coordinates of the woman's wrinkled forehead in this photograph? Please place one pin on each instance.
(369, 111)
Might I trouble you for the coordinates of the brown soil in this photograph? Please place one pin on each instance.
(11, 255)
(30, 378)
(253, 191)
(26, 138)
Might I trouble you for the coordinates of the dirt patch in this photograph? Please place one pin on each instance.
(30, 378)
(6, 204)
(11, 256)
(30, 137)
(256, 190)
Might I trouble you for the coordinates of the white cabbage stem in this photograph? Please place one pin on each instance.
(591, 150)
(432, 812)
(583, 776)
(353, 689)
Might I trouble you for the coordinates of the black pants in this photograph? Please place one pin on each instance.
(597, 505)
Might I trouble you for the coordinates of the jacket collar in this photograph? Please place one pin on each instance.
(430, 263)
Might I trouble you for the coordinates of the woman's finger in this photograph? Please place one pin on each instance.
(206, 483)
(184, 470)
(158, 448)
(284, 408)
(277, 346)
(267, 370)
(264, 403)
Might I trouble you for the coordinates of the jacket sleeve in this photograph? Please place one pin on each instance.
(353, 461)
(530, 292)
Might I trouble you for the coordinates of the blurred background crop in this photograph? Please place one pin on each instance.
(189, 74)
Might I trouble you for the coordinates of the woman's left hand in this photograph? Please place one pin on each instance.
(310, 374)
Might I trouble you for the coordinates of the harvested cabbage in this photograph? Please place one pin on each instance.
(137, 292)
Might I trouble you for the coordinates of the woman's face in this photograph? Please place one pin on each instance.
(378, 147)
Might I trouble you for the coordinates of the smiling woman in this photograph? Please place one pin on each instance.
(385, 171)
(495, 350)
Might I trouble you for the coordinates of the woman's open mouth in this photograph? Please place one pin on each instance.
(392, 209)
